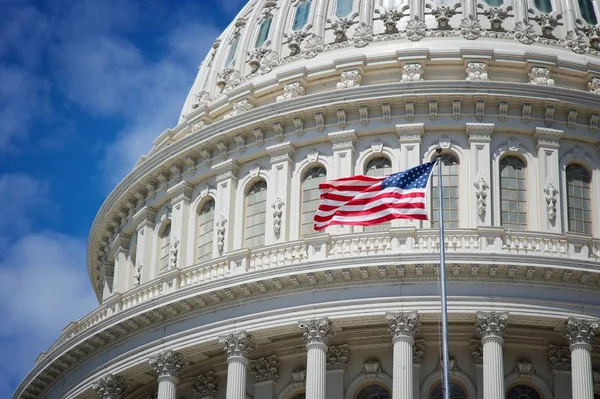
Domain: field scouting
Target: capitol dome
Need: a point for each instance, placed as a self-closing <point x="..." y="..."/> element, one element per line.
<point x="212" y="282"/>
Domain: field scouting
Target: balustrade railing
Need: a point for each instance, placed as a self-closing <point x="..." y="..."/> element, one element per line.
<point x="321" y="248"/>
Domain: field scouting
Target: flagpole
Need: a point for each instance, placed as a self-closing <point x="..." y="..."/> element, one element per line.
<point x="445" y="361"/>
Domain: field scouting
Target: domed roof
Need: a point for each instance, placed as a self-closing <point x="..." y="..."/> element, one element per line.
<point x="268" y="34"/>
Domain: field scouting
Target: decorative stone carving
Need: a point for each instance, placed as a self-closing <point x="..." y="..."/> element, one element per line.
<point x="205" y="385"/>
<point x="476" y="351"/>
<point x="418" y="351"/>
<point x="263" y="60"/>
<point x="299" y="375"/>
<point x="228" y="79"/>
<point x="403" y="324"/>
<point x="371" y="367"/>
<point x="238" y="344"/>
<point x="551" y="199"/>
<point x="265" y="369"/>
<point x="340" y="28"/>
<point x="298" y="126"/>
<point x="547" y="23"/>
<point x="476" y="71"/>
<point x="594" y="121"/>
<point x="350" y="79"/>
<point x="317" y="331"/>
<point x="456" y="109"/>
<point x="593" y="34"/>
<point x="572" y="118"/>
<point x="295" y="40"/>
<point x="524" y="368"/>
<point x="594" y="85"/>
<point x="416" y="29"/>
<point x="580" y="331"/>
<point x="202" y="98"/>
<point x="559" y="357"/>
<point x="313" y="45"/>
<point x="167" y="363"/>
<point x="240" y="140"/>
<point x="363" y="35"/>
<point x="470" y="28"/>
<point x="442" y="15"/>
<point x="277" y="207"/>
<point x="524" y="32"/>
<point x="221" y="223"/>
<point x="526" y="113"/>
<point x="173" y="253"/>
<point x="290" y="91"/>
<point x="503" y="111"/>
<point x="386" y="112"/>
<point x="363" y="114"/>
<point x="496" y="16"/>
<point x="320" y="121"/>
<point x="549" y="115"/>
<point x="481" y="189"/>
<point x="337" y="357"/>
<point x="390" y="19"/>
<point x="240" y="107"/>
<point x="491" y="324"/>
<point x="137" y="273"/>
<point x="412" y="72"/>
<point x="110" y="387"/>
<point x="576" y="42"/>
<point x="433" y="110"/>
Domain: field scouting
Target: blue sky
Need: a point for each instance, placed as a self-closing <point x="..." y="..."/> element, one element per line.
<point x="85" y="87"/>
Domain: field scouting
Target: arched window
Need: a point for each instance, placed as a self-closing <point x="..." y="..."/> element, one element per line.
<point x="587" y="11"/>
<point x="299" y="396"/>
<point x="449" y="166"/>
<point x="522" y="392"/>
<point x="206" y="222"/>
<point x="256" y="210"/>
<point x="544" y="6"/>
<point x="579" y="201"/>
<point x="230" y="62"/>
<point x="374" y="391"/>
<point x="343" y="8"/>
<point x="164" y="245"/>
<point x="301" y="16"/>
<point x="495" y="3"/>
<point x="263" y="32"/>
<point x="377" y="167"/>
<point x="456" y="391"/>
<point x="513" y="200"/>
<point x="311" y="197"/>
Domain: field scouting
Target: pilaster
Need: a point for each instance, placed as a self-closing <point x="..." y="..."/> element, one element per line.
<point x="560" y="366"/>
<point x="266" y="374"/>
<point x="410" y="138"/>
<point x="480" y="137"/>
<point x="181" y="195"/>
<point x="110" y="387"/>
<point x="548" y="143"/>
<point x="278" y="193"/>
<point x="342" y="144"/>
<point x="337" y="358"/>
<point x="226" y="179"/>
<point x="205" y="385"/>
<point x="477" y="355"/>
<point x="119" y="250"/>
<point x="144" y="220"/>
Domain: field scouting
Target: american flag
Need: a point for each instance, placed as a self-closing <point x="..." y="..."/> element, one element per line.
<point x="363" y="200"/>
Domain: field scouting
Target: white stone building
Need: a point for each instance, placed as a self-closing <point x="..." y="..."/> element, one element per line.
<point x="208" y="243"/>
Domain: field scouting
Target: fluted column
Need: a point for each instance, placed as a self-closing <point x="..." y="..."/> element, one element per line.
<point x="110" y="387"/>
<point x="580" y="336"/>
<point x="167" y="365"/>
<point x="490" y="327"/>
<point x="317" y="336"/>
<point x="404" y="326"/>
<point x="238" y="346"/>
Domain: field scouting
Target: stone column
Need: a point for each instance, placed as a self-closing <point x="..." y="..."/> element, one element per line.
<point x="409" y="136"/>
<point x="403" y="326"/>
<point x="110" y="387"/>
<point x="167" y="365"/>
<point x="337" y="358"/>
<point x="119" y="250"/>
<point x="205" y="385"/>
<point x="317" y="335"/>
<point x="265" y="372"/>
<point x="490" y="327"/>
<point x="480" y="137"/>
<point x="560" y="364"/>
<point x="238" y="346"/>
<point x="181" y="194"/>
<point x="278" y="193"/>
<point x="224" y="206"/>
<point x="580" y="336"/>
<point x="145" y="219"/>
<point x="548" y="143"/>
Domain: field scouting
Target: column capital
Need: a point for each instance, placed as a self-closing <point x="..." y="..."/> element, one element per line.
<point x="182" y="191"/>
<point x="480" y="132"/>
<point x="337" y="357"/>
<point x="317" y="331"/>
<point x="205" y="385"/>
<point x="491" y="324"/>
<point x="410" y="132"/>
<point x="476" y="351"/>
<point x="145" y="216"/>
<point x="343" y="140"/>
<point x="559" y="357"/>
<point x="265" y="369"/>
<point x="418" y="351"/>
<point x="226" y="170"/>
<point x="238" y="345"/>
<point x="110" y="387"/>
<point x="580" y="331"/>
<point x="547" y="137"/>
<point x="403" y="324"/>
<point x="167" y="363"/>
<point x="281" y="152"/>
